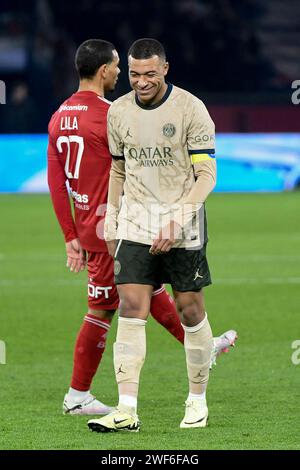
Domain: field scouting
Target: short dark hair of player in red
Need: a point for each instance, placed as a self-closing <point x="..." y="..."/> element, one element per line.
<point x="91" y="54"/>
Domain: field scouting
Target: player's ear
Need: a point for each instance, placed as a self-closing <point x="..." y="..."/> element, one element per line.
<point x="166" y="68"/>
<point x="102" y="71"/>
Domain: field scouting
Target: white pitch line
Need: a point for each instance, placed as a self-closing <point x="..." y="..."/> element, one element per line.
<point x="219" y="281"/>
<point x="255" y="258"/>
<point x="33" y="256"/>
<point x="37" y="282"/>
<point x="251" y="280"/>
<point x="212" y="256"/>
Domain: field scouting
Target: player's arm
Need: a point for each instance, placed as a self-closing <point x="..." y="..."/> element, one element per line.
<point x="205" y="172"/>
<point x="201" y="147"/>
<point x="61" y="204"/>
<point x="116" y="181"/>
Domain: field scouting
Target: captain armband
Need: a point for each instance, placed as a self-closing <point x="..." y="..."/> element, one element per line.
<point x="198" y="156"/>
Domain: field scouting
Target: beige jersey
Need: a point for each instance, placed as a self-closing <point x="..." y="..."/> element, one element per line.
<point x="160" y="144"/>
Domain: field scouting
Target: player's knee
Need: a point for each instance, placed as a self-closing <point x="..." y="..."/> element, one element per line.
<point x="130" y="307"/>
<point x="102" y="314"/>
<point x="189" y="315"/>
<point x="190" y="310"/>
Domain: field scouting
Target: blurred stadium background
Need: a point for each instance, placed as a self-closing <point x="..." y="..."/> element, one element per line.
<point x="241" y="58"/>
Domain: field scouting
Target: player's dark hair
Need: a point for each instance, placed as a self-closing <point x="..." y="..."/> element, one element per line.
<point x="145" y="48"/>
<point x="91" y="54"/>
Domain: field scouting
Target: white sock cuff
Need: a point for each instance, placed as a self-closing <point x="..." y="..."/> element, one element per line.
<point x="193" y="329"/>
<point x="132" y="321"/>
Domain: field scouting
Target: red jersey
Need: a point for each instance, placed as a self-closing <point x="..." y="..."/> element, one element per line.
<point x="78" y="152"/>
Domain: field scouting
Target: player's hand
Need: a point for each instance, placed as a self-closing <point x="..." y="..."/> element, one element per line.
<point x="166" y="238"/>
<point x="112" y="246"/>
<point x="76" y="257"/>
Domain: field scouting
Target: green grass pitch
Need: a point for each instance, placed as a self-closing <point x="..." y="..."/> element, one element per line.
<point x="254" y="392"/>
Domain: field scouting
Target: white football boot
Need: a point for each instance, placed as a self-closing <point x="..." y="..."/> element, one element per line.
<point x="116" y="421"/>
<point x="222" y="344"/>
<point x="196" y="414"/>
<point x="88" y="406"/>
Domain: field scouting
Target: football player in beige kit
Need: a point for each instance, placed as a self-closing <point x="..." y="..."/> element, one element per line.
<point x="162" y="140"/>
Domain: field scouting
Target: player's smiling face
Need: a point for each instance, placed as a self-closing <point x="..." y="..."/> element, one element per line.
<point x="147" y="78"/>
<point x="112" y="72"/>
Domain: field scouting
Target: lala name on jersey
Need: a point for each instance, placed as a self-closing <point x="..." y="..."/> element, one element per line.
<point x="68" y="123"/>
<point x="152" y="156"/>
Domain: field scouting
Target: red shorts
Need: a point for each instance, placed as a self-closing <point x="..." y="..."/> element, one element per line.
<point x="102" y="292"/>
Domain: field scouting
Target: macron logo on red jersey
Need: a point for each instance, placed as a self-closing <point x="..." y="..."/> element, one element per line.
<point x="77" y="107"/>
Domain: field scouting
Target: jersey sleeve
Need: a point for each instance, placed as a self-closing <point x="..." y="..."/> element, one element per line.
<point x="116" y="145"/>
<point x="59" y="193"/>
<point x="200" y="133"/>
<point x="52" y="150"/>
<point x="201" y="148"/>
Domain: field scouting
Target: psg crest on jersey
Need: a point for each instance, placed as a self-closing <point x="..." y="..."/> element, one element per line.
<point x="169" y="130"/>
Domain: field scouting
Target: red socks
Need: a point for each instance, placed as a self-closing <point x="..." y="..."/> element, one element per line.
<point x="88" y="351"/>
<point x="164" y="311"/>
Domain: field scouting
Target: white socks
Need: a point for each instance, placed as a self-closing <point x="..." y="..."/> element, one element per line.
<point x="128" y="401"/>
<point x="77" y="395"/>
<point x="195" y="397"/>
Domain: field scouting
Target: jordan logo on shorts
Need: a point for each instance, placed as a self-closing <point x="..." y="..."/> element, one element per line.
<point x="198" y="275"/>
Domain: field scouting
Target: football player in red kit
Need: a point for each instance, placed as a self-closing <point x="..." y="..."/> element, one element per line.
<point x="78" y="156"/>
